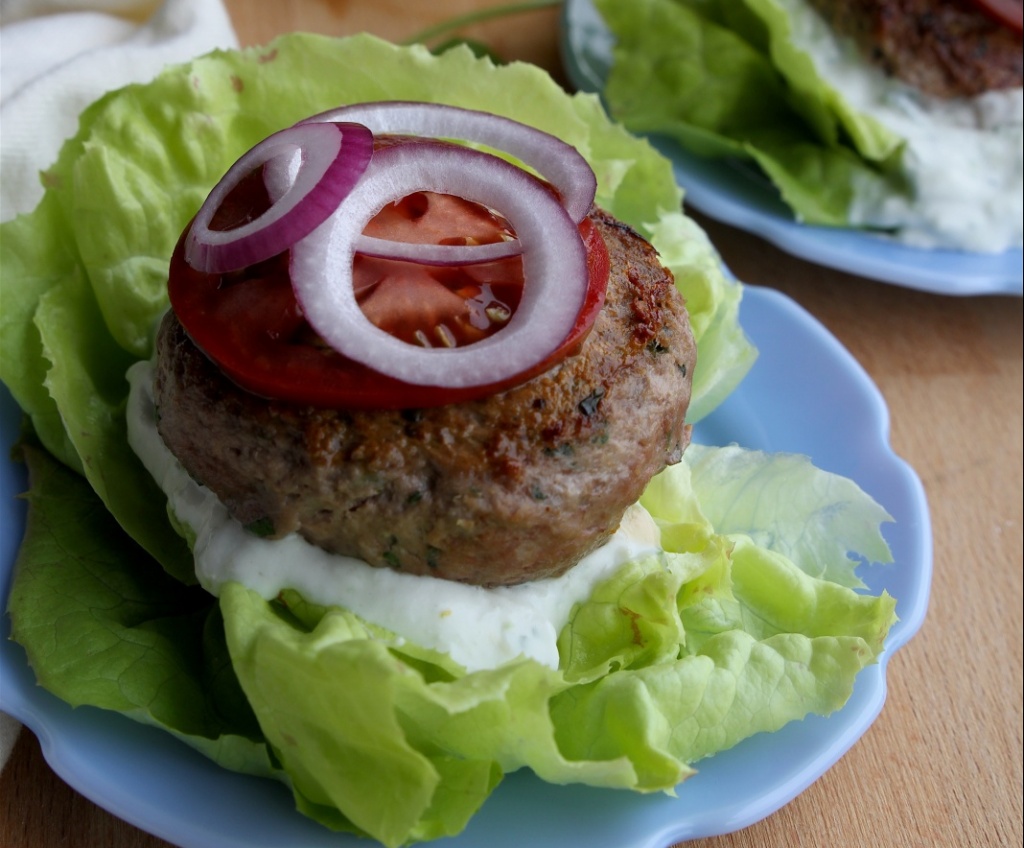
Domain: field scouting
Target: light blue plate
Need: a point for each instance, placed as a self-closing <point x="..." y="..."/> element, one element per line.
<point x="805" y="394"/>
<point x="740" y="196"/>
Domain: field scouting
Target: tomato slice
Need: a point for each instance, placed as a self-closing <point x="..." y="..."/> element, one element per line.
<point x="438" y="306"/>
<point x="250" y="325"/>
<point x="1010" y="13"/>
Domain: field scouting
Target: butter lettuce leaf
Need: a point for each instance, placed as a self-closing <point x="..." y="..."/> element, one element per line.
<point x="725" y="79"/>
<point x="785" y="504"/>
<point x="104" y="625"/>
<point x="35" y="259"/>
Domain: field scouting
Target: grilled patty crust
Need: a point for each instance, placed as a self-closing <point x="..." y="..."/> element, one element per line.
<point x="510" y="488"/>
<point x="946" y="49"/>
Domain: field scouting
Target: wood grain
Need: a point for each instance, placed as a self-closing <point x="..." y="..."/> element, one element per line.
<point x="942" y="764"/>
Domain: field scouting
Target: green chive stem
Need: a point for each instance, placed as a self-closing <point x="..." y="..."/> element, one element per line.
<point x="452" y="24"/>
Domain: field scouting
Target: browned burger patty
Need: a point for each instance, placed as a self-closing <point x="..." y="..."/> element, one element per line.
<point x="947" y="49"/>
<point x="510" y="488"/>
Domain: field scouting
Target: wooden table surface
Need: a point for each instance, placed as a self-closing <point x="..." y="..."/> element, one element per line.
<point x="942" y="764"/>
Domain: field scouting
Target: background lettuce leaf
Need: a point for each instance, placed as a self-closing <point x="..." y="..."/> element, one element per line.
<point x="724" y="78"/>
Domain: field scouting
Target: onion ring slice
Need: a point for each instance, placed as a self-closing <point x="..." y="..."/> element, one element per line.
<point x="554" y="267"/>
<point x="437" y="254"/>
<point x="332" y="158"/>
<point x="558" y="162"/>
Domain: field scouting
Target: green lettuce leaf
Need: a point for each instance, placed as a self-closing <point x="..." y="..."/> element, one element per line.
<point x="34" y="259"/>
<point x="103" y="624"/>
<point x="724" y="78"/>
<point x="785" y="504"/>
<point x="713" y="305"/>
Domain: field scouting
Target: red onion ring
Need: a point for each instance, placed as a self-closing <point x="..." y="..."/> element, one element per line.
<point x="554" y="267"/>
<point x="559" y="163"/>
<point x="331" y="159"/>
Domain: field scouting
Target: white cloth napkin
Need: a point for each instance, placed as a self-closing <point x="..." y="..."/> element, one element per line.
<point x="56" y="57"/>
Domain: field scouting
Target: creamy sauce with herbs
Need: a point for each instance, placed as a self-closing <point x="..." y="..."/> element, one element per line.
<point x="478" y="627"/>
<point x="963" y="157"/>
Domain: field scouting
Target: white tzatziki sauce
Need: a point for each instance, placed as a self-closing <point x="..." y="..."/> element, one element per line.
<point x="477" y="627"/>
<point x="963" y="157"/>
